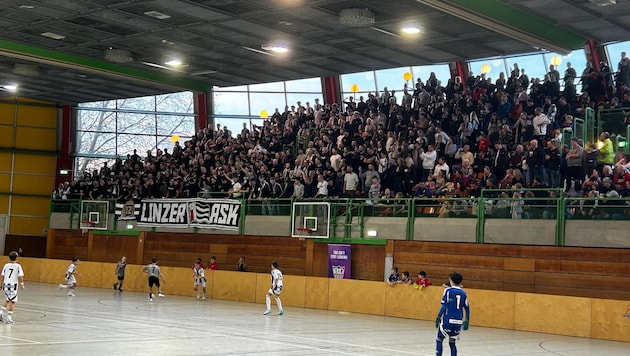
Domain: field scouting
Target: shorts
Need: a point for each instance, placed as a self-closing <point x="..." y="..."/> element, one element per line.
<point x="275" y="292"/>
<point x="70" y="281"/>
<point x="121" y="278"/>
<point x="449" y="330"/>
<point x="154" y="281"/>
<point x="11" y="294"/>
<point x="200" y="282"/>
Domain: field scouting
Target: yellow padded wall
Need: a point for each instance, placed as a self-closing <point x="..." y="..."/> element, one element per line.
<point x="4" y="204"/>
<point x="35" y="206"/>
<point x="5" y="182"/>
<point x="293" y="291"/>
<point x="25" y="163"/>
<point x="422" y="304"/>
<point x="7" y="114"/>
<point x="89" y="274"/>
<point x="316" y="295"/>
<point x="365" y="297"/>
<point x="6" y="136"/>
<point x="491" y="308"/>
<point x="36" y="139"/>
<point x="31" y="266"/>
<point x="30" y="184"/>
<point x="610" y="320"/>
<point x="27" y="225"/>
<point x="53" y="271"/>
<point x="229" y="285"/>
<point x="5" y="161"/>
<point x="552" y="314"/>
<point x="179" y="281"/>
<point x="37" y="116"/>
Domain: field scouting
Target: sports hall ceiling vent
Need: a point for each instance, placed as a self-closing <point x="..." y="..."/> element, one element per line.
<point x="603" y="2"/>
<point x="27" y="70"/>
<point x="357" y="17"/>
<point x="118" y="55"/>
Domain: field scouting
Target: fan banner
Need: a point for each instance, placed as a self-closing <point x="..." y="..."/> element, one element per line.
<point x="222" y="214"/>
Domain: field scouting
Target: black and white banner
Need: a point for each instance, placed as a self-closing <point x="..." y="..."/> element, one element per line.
<point x="127" y="211"/>
<point x="223" y="214"/>
<point x="164" y="212"/>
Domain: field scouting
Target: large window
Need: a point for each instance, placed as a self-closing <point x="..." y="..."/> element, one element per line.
<point x="235" y="106"/>
<point x="107" y="129"/>
<point x="393" y="79"/>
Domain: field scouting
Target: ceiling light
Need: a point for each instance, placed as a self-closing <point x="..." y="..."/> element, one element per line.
<point x="157" y="15"/>
<point x="26" y="6"/>
<point x="603" y="2"/>
<point x="277" y="48"/>
<point x="257" y="51"/>
<point x="10" y="87"/>
<point x="54" y="36"/>
<point x="118" y="55"/>
<point x="173" y="62"/>
<point x="411" y="30"/>
<point x="168" y="42"/>
<point x="357" y="17"/>
<point x="385" y="32"/>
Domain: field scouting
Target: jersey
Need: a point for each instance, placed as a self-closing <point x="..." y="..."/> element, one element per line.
<point x="12" y="272"/>
<point x="70" y="273"/>
<point x="200" y="275"/>
<point x="120" y="269"/>
<point x="153" y="270"/>
<point x="276" y="275"/>
<point x="454" y="302"/>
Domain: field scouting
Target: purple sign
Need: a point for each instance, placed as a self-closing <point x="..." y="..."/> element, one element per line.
<point x="339" y="261"/>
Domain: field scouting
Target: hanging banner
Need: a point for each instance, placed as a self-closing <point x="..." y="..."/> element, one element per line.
<point x="339" y="261"/>
<point x="127" y="211"/>
<point x="164" y="212"/>
<point x="222" y="214"/>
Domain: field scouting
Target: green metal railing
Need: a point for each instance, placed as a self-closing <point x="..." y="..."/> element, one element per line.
<point x="348" y="216"/>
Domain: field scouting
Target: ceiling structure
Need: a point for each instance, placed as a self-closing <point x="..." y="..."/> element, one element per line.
<point x="219" y="42"/>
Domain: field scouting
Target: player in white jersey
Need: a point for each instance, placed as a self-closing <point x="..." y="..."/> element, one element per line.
<point x="200" y="279"/>
<point x="12" y="274"/>
<point x="154" y="278"/>
<point x="70" y="277"/>
<point x="275" y="290"/>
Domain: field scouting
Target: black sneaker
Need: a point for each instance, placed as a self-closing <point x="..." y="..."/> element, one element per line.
<point x="115" y="286"/>
<point x="120" y="290"/>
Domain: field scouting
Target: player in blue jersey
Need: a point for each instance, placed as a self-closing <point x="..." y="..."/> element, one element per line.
<point x="450" y="319"/>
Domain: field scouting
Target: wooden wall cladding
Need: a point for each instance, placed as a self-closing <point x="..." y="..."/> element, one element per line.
<point x="109" y="248"/>
<point x="67" y="244"/>
<point x="33" y="246"/>
<point x="181" y="250"/>
<point x="368" y="261"/>
<point x="584" y="272"/>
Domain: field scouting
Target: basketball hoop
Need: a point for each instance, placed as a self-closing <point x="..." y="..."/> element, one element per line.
<point x="304" y="230"/>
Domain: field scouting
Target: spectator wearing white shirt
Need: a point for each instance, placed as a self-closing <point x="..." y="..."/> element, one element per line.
<point x="540" y="123"/>
<point x="441" y="166"/>
<point x="322" y="187"/>
<point x="428" y="162"/>
<point x="350" y="183"/>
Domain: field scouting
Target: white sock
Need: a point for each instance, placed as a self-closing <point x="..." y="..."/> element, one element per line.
<point x="279" y="302"/>
<point x="268" y="300"/>
<point x="10" y="316"/>
<point x="2" y="310"/>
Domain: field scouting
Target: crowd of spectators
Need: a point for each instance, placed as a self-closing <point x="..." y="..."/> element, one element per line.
<point x="432" y="139"/>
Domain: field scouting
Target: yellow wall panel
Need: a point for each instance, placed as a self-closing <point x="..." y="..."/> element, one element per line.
<point x="7" y="113"/>
<point x="5" y="182"/>
<point x="491" y="308"/>
<point x="236" y="286"/>
<point x="316" y="296"/>
<point x="6" y="136"/>
<point x="32" y="268"/>
<point x="88" y="274"/>
<point x="5" y="161"/>
<point x="135" y="279"/>
<point x="53" y="271"/>
<point x="37" y="116"/>
<point x="27" y="226"/>
<point x="357" y="296"/>
<point x="610" y="320"/>
<point x="552" y="314"/>
<point x="35" y="206"/>
<point x="4" y="204"/>
<point x="36" y="139"/>
<point x="422" y="304"/>
<point x="34" y="164"/>
<point x="179" y="281"/>
<point x="30" y="184"/>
